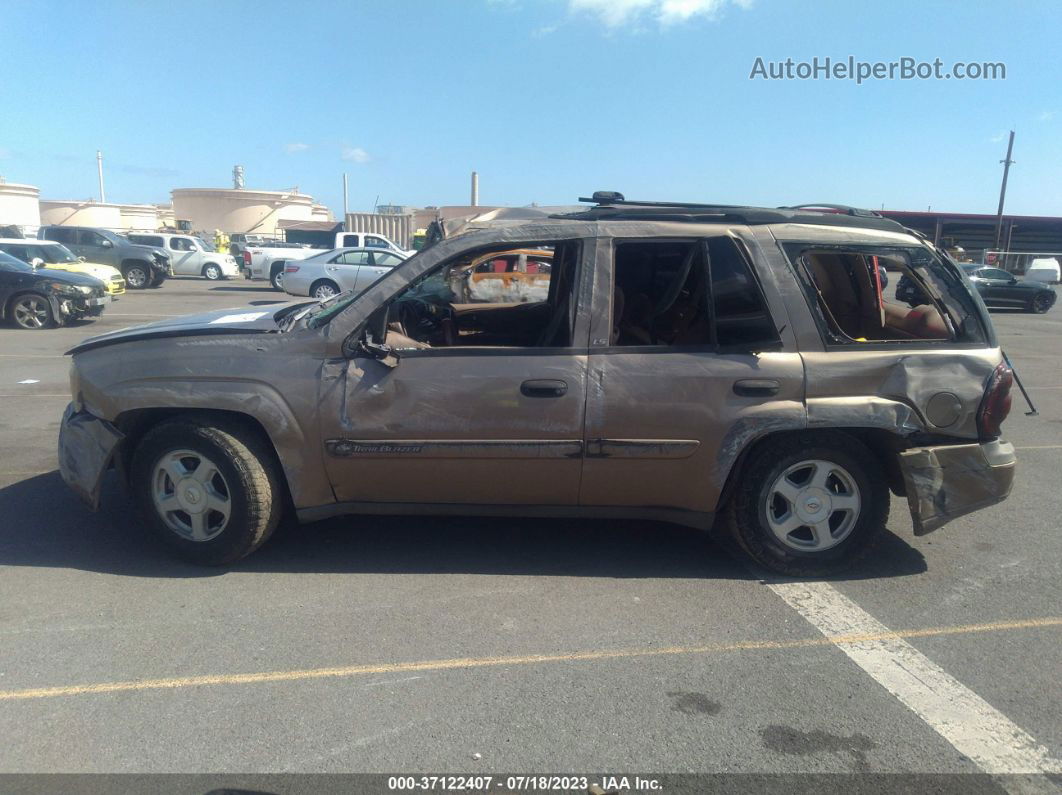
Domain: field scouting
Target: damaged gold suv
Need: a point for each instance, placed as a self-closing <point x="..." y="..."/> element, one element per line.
<point x="733" y="368"/>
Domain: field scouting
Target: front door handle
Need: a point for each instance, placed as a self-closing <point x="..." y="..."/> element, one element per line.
<point x="543" y="388"/>
<point x="756" y="387"/>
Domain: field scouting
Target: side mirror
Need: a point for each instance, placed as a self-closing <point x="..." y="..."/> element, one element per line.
<point x="384" y="354"/>
<point x="80" y="259"/>
<point x="107" y="244"/>
<point x="1012" y="280"/>
<point x="37" y="262"/>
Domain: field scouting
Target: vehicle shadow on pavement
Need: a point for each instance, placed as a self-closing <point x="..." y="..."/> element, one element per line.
<point x="45" y="524"/>
<point x="226" y="289"/>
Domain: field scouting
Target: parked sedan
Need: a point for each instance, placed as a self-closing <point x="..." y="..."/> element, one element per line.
<point x="56" y="256"/>
<point x="36" y="298"/>
<point x="1000" y="288"/>
<point x="332" y="272"/>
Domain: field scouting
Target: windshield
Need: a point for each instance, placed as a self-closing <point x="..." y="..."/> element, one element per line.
<point x="203" y="245"/>
<point x="57" y="252"/>
<point x="9" y="263"/>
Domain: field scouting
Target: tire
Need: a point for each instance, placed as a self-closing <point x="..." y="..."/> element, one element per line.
<point x="323" y="289"/>
<point x="211" y="272"/>
<point x="276" y="276"/>
<point x="220" y="465"/>
<point x="850" y="508"/>
<point x="1041" y="302"/>
<point x="159" y="278"/>
<point x="137" y="276"/>
<point x="31" y="311"/>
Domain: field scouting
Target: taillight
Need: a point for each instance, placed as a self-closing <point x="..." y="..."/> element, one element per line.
<point x="995" y="405"/>
<point x="247" y="258"/>
<point x="290" y="268"/>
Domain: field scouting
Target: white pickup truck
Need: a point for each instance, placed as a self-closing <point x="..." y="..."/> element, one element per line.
<point x="263" y="262"/>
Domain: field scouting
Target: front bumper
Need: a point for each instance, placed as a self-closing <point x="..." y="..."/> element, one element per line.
<point x="86" y="447"/>
<point x="948" y="481"/>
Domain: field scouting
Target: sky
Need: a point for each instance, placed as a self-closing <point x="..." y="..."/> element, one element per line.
<point x="548" y="100"/>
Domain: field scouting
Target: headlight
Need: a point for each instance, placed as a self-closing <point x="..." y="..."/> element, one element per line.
<point x="86" y="290"/>
<point x="63" y="287"/>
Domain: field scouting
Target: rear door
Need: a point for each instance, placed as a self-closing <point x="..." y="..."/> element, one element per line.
<point x="685" y="368"/>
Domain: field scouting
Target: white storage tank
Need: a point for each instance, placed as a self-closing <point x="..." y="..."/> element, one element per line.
<point x="20" y="206"/>
<point x="240" y="211"/>
<point x="81" y="213"/>
<point x="320" y="212"/>
<point x="140" y="217"/>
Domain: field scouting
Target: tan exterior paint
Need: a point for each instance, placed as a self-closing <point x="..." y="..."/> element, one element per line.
<point x="81" y="213"/>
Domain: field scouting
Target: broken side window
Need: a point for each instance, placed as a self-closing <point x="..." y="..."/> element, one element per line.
<point x="866" y="294"/>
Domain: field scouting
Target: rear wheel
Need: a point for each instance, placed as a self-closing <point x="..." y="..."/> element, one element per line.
<point x="276" y="276"/>
<point x="1041" y="302"/>
<point x="32" y="312"/>
<point x="212" y="272"/>
<point x="210" y="489"/>
<point x="324" y="289"/>
<point x="809" y="504"/>
<point x="137" y="276"/>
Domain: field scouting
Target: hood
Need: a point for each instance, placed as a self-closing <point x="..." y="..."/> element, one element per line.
<point x="69" y="277"/>
<point x="241" y="320"/>
<point x="148" y="249"/>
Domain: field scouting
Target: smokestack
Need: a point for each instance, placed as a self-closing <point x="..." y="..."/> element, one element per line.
<point x="237" y="177"/>
<point x="346" y="209"/>
<point x="99" y="171"/>
<point x="475" y="189"/>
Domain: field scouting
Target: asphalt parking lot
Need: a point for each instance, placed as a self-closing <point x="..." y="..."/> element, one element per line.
<point x="460" y="645"/>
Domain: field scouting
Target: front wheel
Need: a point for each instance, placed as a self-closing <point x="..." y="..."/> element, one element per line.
<point x="209" y="489"/>
<point x="32" y="312"/>
<point x="211" y="272"/>
<point x="137" y="276"/>
<point x="808" y="504"/>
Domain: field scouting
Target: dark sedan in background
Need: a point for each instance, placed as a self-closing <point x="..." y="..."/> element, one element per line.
<point x="36" y="298"/>
<point x="997" y="288"/>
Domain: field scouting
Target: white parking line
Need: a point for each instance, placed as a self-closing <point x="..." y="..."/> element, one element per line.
<point x="975" y="728"/>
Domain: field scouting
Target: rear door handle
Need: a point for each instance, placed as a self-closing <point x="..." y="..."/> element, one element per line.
<point x="543" y="388"/>
<point x="756" y="387"/>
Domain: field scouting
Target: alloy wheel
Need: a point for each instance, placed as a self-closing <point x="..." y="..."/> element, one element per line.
<point x="191" y="495"/>
<point x="32" y="312"/>
<point x="813" y="505"/>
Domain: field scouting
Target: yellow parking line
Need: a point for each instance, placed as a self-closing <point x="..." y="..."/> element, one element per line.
<point x="485" y="662"/>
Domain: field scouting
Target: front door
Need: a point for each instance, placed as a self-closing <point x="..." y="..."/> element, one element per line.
<point x="680" y="374"/>
<point x="184" y="257"/>
<point x="479" y="410"/>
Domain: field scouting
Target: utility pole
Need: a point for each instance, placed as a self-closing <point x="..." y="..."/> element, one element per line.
<point x="475" y="189"/>
<point x="99" y="170"/>
<point x="345" y="205"/>
<point x="1007" y="163"/>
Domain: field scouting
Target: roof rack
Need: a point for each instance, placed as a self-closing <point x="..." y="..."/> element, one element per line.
<point x="612" y="205"/>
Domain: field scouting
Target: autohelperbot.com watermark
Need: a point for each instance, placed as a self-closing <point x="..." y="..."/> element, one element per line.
<point x="851" y="68"/>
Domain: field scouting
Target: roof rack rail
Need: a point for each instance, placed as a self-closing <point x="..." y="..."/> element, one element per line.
<point x="834" y="208"/>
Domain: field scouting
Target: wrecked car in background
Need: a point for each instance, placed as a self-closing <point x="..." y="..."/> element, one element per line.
<point x="729" y="368"/>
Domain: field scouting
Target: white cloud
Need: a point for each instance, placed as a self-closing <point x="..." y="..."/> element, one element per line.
<point x="617" y="13"/>
<point x="355" y="154"/>
<point x="293" y="148"/>
<point x="1046" y="115"/>
<point x="545" y="30"/>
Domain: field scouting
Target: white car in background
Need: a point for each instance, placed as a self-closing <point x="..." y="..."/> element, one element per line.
<point x="190" y="256"/>
<point x="330" y="272"/>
